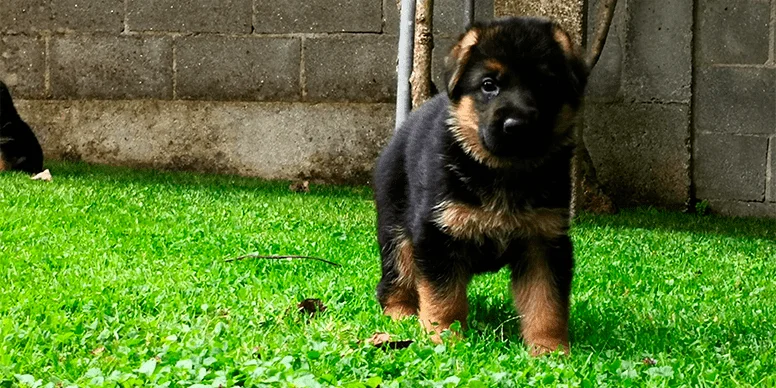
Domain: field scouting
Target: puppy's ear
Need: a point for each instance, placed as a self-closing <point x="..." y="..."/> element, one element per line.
<point x="458" y="58"/>
<point x="574" y="57"/>
<point x="7" y="110"/>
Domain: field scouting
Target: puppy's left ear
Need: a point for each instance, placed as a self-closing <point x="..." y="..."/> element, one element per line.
<point x="458" y="59"/>
<point x="574" y="57"/>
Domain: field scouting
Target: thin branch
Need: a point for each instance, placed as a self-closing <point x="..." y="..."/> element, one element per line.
<point x="282" y="257"/>
<point x="603" y="19"/>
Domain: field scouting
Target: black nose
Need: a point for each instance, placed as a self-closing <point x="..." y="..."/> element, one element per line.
<point x="520" y="120"/>
<point x="514" y="125"/>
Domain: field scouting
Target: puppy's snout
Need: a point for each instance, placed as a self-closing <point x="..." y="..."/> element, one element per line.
<point x="520" y="121"/>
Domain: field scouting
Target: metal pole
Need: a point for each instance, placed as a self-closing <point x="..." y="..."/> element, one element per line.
<point x="468" y="13"/>
<point x="406" y="45"/>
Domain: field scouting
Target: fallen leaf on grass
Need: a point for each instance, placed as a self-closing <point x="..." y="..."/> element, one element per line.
<point x="383" y="341"/>
<point x="300" y="187"/>
<point x="98" y="351"/>
<point x="311" y="306"/>
<point x="43" y="176"/>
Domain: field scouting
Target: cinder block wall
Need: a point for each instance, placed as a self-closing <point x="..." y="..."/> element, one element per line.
<point x="681" y="106"/>
<point x="277" y="89"/>
<point x="735" y="106"/>
<point x="638" y="109"/>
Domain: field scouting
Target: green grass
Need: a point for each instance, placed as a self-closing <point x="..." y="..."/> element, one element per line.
<point x="112" y="277"/>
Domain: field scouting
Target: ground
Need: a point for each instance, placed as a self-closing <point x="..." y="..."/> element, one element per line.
<point x="113" y="277"/>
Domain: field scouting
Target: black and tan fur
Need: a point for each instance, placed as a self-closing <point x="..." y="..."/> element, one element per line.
<point x="19" y="148"/>
<point x="478" y="179"/>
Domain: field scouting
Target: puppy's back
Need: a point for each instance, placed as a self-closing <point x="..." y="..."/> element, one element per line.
<point x="19" y="148"/>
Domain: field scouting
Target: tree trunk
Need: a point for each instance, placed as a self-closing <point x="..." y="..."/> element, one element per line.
<point x="424" y="45"/>
<point x="587" y="192"/>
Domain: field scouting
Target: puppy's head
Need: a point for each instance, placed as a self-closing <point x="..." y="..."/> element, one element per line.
<point x="515" y="85"/>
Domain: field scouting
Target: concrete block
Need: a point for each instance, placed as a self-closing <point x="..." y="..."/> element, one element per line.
<point x="92" y="15"/>
<point x="225" y="16"/>
<point x="743" y="209"/>
<point x="658" y="54"/>
<point x="390" y="17"/>
<point x="22" y="16"/>
<point x="306" y="16"/>
<point x="733" y="32"/>
<point x="641" y="151"/>
<point x="23" y="65"/>
<point x="569" y="13"/>
<point x="736" y="100"/>
<point x="214" y="67"/>
<point x="442" y="47"/>
<point x="730" y="167"/>
<point x="448" y="16"/>
<point x="110" y="67"/>
<point x="605" y="81"/>
<point x="351" y="68"/>
<point x="335" y="143"/>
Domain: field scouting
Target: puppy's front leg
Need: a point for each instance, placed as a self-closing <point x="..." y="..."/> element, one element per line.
<point x="541" y="284"/>
<point x="442" y="303"/>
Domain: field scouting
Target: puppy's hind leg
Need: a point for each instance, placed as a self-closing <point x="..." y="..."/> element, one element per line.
<point x="397" y="290"/>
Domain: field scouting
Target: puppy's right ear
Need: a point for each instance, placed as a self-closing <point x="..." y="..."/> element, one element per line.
<point x="458" y="59"/>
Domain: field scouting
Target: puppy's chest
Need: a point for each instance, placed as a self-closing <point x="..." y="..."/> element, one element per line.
<point x="498" y="222"/>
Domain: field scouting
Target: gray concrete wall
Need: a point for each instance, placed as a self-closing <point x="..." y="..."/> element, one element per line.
<point x="638" y="109"/>
<point x="276" y="89"/>
<point x="735" y="106"/>
<point x="681" y="106"/>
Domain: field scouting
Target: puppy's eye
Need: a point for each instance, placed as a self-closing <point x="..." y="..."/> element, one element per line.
<point x="489" y="86"/>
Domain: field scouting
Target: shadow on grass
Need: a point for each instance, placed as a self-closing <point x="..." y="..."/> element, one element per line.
<point x="195" y="180"/>
<point x="588" y="333"/>
<point x="499" y="318"/>
<point x="653" y="219"/>
<point x="593" y="331"/>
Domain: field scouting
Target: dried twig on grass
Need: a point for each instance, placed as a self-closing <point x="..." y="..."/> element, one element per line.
<point x="281" y="257"/>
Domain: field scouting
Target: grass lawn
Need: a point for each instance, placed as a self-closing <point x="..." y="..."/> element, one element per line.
<point x="112" y="277"/>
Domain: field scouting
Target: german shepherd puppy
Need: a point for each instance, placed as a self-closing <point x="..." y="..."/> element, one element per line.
<point x="19" y="148"/>
<point x="478" y="179"/>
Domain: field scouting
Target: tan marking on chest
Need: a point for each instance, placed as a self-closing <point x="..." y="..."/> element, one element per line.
<point x="2" y="162"/>
<point x="467" y="222"/>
